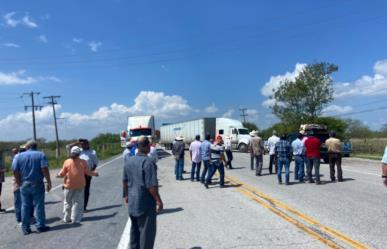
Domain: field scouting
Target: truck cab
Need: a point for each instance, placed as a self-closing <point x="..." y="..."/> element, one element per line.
<point x="234" y="129"/>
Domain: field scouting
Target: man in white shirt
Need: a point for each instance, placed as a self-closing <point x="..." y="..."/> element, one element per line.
<point x="196" y="158"/>
<point x="271" y="143"/>
<point x="298" y="153"/>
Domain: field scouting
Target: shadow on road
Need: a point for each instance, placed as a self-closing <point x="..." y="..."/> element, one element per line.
<point x="64" y="226"/>
<point x="52" y="202"/>
<point x="163" y="154"/>
<point x="196" y="247"/>
<point x="100" y="217"/>
<point x="171" y="210"/>
<point x="52" y="220"/>
<point x="105" y="208"/>
<point x="237" y="168"/>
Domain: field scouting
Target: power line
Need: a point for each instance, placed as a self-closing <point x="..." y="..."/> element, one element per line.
<point x="33" y="107"/>
<point x="53" y="102"/>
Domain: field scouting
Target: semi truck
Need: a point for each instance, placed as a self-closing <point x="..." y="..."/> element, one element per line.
<point x="138" y="126"/>
<point x="232" y="128"/>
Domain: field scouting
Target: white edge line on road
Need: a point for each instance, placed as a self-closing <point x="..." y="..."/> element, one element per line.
<point x="60" y="185"/>
<point x="364" y="173"/>
<point x="125" y="237"/>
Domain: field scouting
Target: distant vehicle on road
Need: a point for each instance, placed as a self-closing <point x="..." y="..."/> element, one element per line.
<point x="138" y="126"/>
<point x="321" y="132"/>
<point x="238" y="134"/>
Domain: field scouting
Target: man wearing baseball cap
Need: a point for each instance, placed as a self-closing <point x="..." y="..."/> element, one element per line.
<point x="74" y="170"/>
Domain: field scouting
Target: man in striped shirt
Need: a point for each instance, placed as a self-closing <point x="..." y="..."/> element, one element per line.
<point x="217" y="160"/>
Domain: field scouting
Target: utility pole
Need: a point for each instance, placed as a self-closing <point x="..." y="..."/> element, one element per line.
<point x="53" y="102"/>
<point x="34" y="108"/>
<point x="244" y="114"/>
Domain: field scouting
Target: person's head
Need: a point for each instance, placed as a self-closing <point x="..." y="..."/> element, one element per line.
<point x="31" y="145"/>
<point x="332" y="134"/>
<point x="300" y="136"/>
<point x="84" y="143"/>
<point x="128" y="145"/>
<point x="14" y="151"/>
<point x="208" y="137"/>
<point x="274" y="133"/>
<point x="283" y="136"/>
<point x="75" y="152"/>
<point x="143" y="145"/>
<point x="197" y="137"/>
<point x="219" y="139"/>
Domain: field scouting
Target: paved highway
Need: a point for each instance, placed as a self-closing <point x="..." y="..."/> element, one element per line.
<point x="253" y="212"/>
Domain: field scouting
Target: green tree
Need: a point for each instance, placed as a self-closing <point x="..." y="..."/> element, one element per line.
<point x="250" y="126"/>
<point x="334" y="124"/>
<point x="302" y="100"/>
<point x="357" y="129"/>
<point x="383" y="130"/>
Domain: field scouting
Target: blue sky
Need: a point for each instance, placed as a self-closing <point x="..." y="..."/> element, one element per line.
<point x="182" y="59"/>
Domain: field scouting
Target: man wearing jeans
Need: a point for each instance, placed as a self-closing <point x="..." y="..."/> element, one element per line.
<point x="205" y="154"/>
<point x="178" y="153"/>
<point x="195" y="153"/>
<point x="298" y="153"/>
<point x="29" y="170"/>
<point x="312" y="146"/>
<point x="217" y="160"/>
<point x="283" y="152"/>
<point x="271" y="144"/>
<point x="142" y="196"/>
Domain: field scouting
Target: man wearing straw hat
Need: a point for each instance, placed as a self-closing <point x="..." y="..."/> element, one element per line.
<point x="178" y="153"/>
<point x="256" y="152"/>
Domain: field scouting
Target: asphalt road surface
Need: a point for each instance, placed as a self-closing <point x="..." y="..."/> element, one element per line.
<point x="252" y="212"/>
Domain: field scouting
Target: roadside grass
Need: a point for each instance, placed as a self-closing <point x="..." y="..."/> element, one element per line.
<point x="103" y="151"/>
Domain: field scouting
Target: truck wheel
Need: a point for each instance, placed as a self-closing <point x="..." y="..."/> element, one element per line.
<point x="242" y="148"/>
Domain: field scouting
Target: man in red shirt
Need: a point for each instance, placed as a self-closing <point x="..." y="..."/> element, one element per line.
<point x="312" y="146"/>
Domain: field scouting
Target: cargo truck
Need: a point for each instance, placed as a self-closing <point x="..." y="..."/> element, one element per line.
<point x="238" y="134"/>
<point x="138" y="126"/>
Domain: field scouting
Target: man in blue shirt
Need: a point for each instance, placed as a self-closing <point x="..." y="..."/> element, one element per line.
<point x="205" y="153"/>
<point x="283" y="152"/>
<point x="29" y="169"/>
<point x="298" y="153"/>
<point x="142" y="195"/>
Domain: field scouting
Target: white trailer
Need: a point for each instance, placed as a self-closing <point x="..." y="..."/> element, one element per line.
<point x="213" y="126"/>
<point x="138" y="126"/>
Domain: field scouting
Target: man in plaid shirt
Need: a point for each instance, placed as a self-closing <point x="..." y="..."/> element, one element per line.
<point x="283" y="151"/>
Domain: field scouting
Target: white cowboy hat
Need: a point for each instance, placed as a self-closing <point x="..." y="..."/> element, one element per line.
<point x="253" y="133"/>
<point x="179" y="138"/>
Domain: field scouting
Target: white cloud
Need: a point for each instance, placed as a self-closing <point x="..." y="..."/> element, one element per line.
<point x="211" y="109"/>
<point x="366" y="85"/>
<point x="229" y="113"/>
<point x="20" y="78"/>
<point x="77" y="40"/>
<point x="42" y="38"/>
<point x="10" y="45"/>
<point x="336" y="109"/>
<point x="269" y="103"/>
<point x="94" y="45"/>
<point x="275" y="81"/>
<point x="106" y="119"/>
<point x="10" y="21"/>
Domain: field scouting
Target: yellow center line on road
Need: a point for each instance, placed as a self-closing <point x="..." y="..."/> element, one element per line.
<point x="274" y="205"/>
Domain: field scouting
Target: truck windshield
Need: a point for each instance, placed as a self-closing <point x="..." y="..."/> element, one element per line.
<point x="140" y="132"/>
<point x="243" y="131"/>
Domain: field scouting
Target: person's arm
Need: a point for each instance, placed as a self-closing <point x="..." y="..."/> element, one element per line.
<point x="90" y="172"/>
<point x="384" y="173"/>
<point x="46" y="174"/>
<point x="17" y="176"/>
<point x="63" y="171"/>
<point x="125" y="184"/>
<point x="151" y="184"/>
<point x="95" y="160"/>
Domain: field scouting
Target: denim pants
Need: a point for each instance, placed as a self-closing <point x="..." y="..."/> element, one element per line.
<point x="273" y="161"/>
<point x="32" y="194"/>
<point x="313" y="162"/>
<point x="18" y="204"/>
<point x="195" y="169"/>
<point x="283" y="162"/>
<point x="258" y="163"/>
<point x="216" y="165"/>
<point x="299" y="168"/>
<point x="179" y="168"/>
<point x="206" y="165"/>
